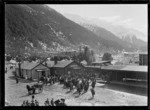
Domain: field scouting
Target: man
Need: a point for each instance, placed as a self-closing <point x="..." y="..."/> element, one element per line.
<point x="52" y="102"/>
<point x="32" y="101"/>
<point x="36" y="103"/>
<point x="93" y="83"/>
<point x="17" y="81"/>
<point x="62" y="103"/>
<point x="47" y="103"/>
<point x="93" y="92"/>
<point x="27" y="103"/>
<point x="24" y="103"/>
<point x="6" y="70"/>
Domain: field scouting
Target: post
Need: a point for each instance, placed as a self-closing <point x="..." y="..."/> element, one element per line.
<point x="38" y="77"/>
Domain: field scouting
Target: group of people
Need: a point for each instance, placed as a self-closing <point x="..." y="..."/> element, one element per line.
<point x="80" y="82"/>
<point x="59" y="102"/>
<point x="49" y="80"/>
<point x="34" y="102"/>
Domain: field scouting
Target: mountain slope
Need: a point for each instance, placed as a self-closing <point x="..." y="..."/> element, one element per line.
<point x="131" y="36"/>
<point x="30" y="28"/>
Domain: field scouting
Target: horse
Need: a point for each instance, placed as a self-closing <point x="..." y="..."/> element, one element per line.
<point x="30" y="89"/>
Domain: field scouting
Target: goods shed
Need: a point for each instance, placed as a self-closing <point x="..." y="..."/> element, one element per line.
<point x="126" y="75"/>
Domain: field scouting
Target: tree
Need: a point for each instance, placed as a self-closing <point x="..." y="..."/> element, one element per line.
<point x="89" y="55"/>
<point x="107" y="56"/>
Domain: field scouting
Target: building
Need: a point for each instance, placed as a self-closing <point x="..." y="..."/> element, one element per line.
<point x="33" y="71"/>
<point x="67" y="67"/>
<point x="126" y="75"/>
<point x="101" y="63"/>
<point x="143" y="59"/>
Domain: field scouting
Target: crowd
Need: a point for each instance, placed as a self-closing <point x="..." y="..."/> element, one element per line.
<point x="34" y="102"/>
<point x="80" y="82"/>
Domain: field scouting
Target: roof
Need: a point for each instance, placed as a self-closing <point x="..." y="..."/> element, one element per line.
<point x="136" y="68"/>
<point x="101" y="62"/>
<point x="113" y="67"/>
<point x="92" y="66"/>
<point x="63" y="63"/>
<point x="126" y="68"/>
<point x="31" y="66"/>
<point x="23" y="64"/>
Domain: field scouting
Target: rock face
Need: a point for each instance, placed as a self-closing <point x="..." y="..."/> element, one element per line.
<point x="30" y="28"/>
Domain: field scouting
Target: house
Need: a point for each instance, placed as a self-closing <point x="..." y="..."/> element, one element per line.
<point x="143" y="59"/>
<point x="67" y="67"/>
<point x="33" y="71"/>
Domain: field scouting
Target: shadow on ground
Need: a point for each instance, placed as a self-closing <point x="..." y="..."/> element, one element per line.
<point x="127" y="89"/>
<point x="20" y="80"/>
<point x="29" y="95"/>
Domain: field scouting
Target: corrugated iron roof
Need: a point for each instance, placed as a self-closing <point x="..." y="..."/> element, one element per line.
<point x="63" y="63"/>
<point x="113" y="67"/>
<point x="136" y="68"/>
<point x="92" y="66"/>
<point x="126" y="68"/>
<point x="100" y="62"/>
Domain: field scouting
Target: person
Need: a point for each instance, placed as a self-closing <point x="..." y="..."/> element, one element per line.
<point x="6" y="70"/>
<point x="47" y="103"/>
<point x="34" y="89"/>
<point x="17" y="81"/>
<point x="52" y="102"/>
<point x="92" y="92"/>
<point x="48" y="79"/>
<point x="27" y="103"/>
<point x="62" y="102"/>
<point x="93" y="83"/>
<point x="57" y="102"/>
<point x="32" y="101"/>
<point x="36" y="103"/>
<point x="24" y="103"/>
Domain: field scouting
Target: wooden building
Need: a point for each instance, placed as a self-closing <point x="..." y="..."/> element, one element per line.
<point x="143" y="59"/>
<point x="33" y="71"/>
<point x="126" y="75"/>
<point x="67" y="67"/>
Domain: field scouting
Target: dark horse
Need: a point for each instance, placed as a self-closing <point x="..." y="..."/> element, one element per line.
<point x="31" y="90"/>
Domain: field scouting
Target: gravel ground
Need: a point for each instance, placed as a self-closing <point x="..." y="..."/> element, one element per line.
<point x="15" y="94"/>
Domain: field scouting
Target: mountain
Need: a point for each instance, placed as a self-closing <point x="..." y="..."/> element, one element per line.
<point x="38" y="28"/>
<point x="132" y="36"/>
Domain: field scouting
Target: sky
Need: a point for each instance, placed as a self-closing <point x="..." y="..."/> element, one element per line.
<point x="129" y="15"/>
